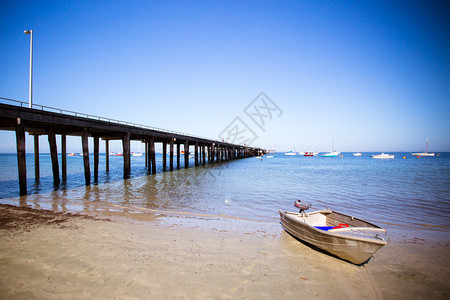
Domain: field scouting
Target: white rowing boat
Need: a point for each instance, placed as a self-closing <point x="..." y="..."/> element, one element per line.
<point x="344" y="236"/>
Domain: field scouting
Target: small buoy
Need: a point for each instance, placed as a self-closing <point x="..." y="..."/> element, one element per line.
<point x="418" y="156"/>
<point x="404" y="157"/>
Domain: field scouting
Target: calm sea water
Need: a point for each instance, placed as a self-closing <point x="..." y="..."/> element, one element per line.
<point x="406" y="194"/>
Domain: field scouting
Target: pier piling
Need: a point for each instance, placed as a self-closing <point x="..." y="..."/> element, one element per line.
<point x="186" y="154"/>
<point x="54" y="156"/>
<point x="152" y="155"/>
<point x="63" y="158"/>
<point x="21" y="158"/>
<point x="178" y="155"/>
<point x="85" y="146"/>
<point x="96" y="157"/>
<point x="36" y="157"/>
<point x="107" y="154"/>
<point x="196" y="153"/>
<point x="164" y="153"/>
<point x="126" y="155"/>
<point x="171" y="155"/>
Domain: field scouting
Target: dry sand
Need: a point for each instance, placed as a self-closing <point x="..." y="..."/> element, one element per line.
<point x="50" y="255"/>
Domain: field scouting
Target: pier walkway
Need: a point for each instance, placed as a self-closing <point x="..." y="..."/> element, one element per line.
<point x="43" y="120"/>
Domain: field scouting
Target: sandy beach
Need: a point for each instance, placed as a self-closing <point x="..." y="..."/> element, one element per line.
<point x="49" y="255"/>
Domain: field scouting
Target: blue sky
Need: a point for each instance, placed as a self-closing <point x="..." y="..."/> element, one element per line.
<point x="372" y="75"/>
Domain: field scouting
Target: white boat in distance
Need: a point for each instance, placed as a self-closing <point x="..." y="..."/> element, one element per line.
<point x="291" y="152"/>
<point x="136" y="154"/>
<point x="349" y="238"/>
<point x="424" y="153"/>
<point x="357" y="154"/>
<point x="333" y="152"/>
<point x="383" y="156"/>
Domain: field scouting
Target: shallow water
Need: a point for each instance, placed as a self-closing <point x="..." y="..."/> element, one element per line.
<point x="402" y="194"/>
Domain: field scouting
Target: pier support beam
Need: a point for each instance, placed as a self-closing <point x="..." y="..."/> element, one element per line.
<point x="63" y="158"/>
<point x="171" y="155"/>
<point x="146" y="155"/>
<point x="203" y="154"/>
<point x="21" y="158"/>
<point x="186" y="154"/>
<point x="164" y="153"/>
<point x="36" y="158"/>
<point x="178" y="155"/>
<point x="196" y="154"/>
<point x="96" y="157"/>
<point x="87" y="168"/>
<point x="152" y="154"/>
<point x="209" y="153"/>
<point x="126" y="155"/>
<point x="107" y="154"/>
<point x="54" y="156"/>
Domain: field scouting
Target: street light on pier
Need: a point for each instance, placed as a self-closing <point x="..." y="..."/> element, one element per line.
<point x="30" y="95"/>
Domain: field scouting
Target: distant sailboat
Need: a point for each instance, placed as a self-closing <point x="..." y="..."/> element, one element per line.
<point x="357" y="154"/>
<point x="424" y="153"/>
<point x="333" y="152"/>
<point x="292" y="152"/>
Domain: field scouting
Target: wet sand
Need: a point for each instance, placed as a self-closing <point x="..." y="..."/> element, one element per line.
<point x="51" y="255"/>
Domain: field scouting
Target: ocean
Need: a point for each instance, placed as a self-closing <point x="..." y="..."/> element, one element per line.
<point x="402" y="194"/>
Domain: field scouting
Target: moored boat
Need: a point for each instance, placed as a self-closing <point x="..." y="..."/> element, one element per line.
<point x="383" y="156"/>
<point x="291" y="152"/>
<point x="424" y="153"/>
<point x="357" y="154"/>
<point x="331" y="154"/>
<point x="309" y="153"/>
<point x="344" y="236"/>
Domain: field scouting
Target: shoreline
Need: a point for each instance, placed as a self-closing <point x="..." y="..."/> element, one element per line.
<point x="45" y="254"/>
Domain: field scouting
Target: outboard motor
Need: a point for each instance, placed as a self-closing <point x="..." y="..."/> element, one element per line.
<point x="301" y="205"/>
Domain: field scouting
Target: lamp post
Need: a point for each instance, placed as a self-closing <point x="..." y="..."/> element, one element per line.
<point x="30" y="96"/>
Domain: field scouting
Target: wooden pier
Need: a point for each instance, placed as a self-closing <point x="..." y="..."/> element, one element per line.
<point x="41" y="120"/>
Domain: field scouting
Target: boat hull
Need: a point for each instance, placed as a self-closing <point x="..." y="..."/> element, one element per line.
<point x="356" y="250"/>
<point x="330" y="155"/>
<point x="383" y="156"/>
<point x="423" y="154"/>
